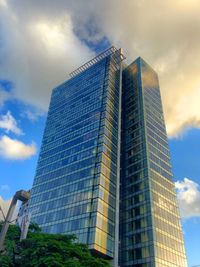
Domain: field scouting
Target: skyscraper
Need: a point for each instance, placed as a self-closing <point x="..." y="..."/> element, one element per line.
<point x="150" y="227"/>
<point x="104" y="169"/>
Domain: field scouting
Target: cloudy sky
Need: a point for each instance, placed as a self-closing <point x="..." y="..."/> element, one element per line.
<point x="42" y="41"/>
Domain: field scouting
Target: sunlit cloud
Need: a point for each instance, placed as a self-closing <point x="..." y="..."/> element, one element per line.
<point x="188" y="197"/>
<point x="185" y="113"/>
<point x="15" y="149"/>
<point x="9" y="124"/>
<point x="38" y="52"/>
<point x="3" y="3"/>
<point x="40" y="45"/>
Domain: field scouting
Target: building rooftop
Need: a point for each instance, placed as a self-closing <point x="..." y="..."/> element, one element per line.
<point x="96" y="59"/>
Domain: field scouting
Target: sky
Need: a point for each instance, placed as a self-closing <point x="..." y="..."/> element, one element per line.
<point x="41" y="42"/>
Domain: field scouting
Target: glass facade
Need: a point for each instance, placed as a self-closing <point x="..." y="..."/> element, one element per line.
<point x="104" y="170"/>
<point x="150" y="230"/>
<point x="74" y="189"/>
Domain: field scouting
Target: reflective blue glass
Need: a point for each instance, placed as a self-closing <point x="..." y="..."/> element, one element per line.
<point x="104" y="171"/>
<point x="150" y="231"/>
<point x="74" y="189"/>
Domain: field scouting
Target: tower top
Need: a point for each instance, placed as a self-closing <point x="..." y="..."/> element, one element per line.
<point x="96" y="59"/>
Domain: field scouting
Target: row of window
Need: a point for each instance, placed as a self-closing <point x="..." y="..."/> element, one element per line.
<point x="167" y="228"/>
<point x="140" y="253"/>
<point x="157" y="145"/>
<point x="76" y="84"/>
<point x="66" y="227"/>
<point x="63" y="190"/>
<point x="161" y="190"/>
<point x="170" y="257"/>
<point x="78" y="149"/>
<point x="77" y="80"/>
<point x="135" y="178"/>
<point x="102" y="241"/>
<point x="135" y="167"/>
<point x="67" y="169"/>
<point x="139" y="210"/>
<point x="153" y="132"/>
<point x="58" y="104"/>
<point x="49" y="184"/>
<point x="170" y="242"/>
<point x="157" y="117"/>
<point x="61" y="202"/>
<point x="76" y="119"/>
<point x="138" y="238"/>
<point x="149" y="98"/>
<point x="151" y="88"/>
<point x="66" y="161"/>
<point x="136" y="199"/>
<point x="162" y="201"/>
<point x="159" y="153"/>
<point x="70" y="144"/>
<point x="165" y="165"/>
<point x="60" y="214"/>
<point x="53" y="142"/>
<point x="151" y="103"/>
<point x="157" y="138"/>
<point x="168" y="216"/>
<point x="135" y="225"/>
<point x="132" y="189"/>
<point x="80" y="108"/>
<point x="163" y="182"/>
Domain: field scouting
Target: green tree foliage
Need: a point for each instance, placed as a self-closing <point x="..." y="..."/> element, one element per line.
<point x="46" y="250"/>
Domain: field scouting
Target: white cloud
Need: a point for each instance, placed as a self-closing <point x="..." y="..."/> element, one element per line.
<point x="32" y="114"/>
<point x="3" y="3"/>
<point x="188" y="197"/>
<point x="15" y="149"/>
<point x="39" y="46"/>
<point x="38" y="50"/>
<point x="8" y="123"/>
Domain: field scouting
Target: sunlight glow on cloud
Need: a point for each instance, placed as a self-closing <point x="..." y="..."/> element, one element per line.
<point x="52" y="36"/>
<point x="3" y="3"/>
<point x="188" y="198"/>
<point x="15" y="149"/>
<point x="9" y="124"/>
<point x="185" y="113"/>
<point x="40" y="46"/>
<point x="38" y="51"/>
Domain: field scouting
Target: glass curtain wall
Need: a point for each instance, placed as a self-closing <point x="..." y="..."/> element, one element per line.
<point x="136" y="237"/>
<point x="168" y="239"/>
<point x="74" y="189"/>
<point x="78" y="175"/>
<point x="150" y="232"/>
